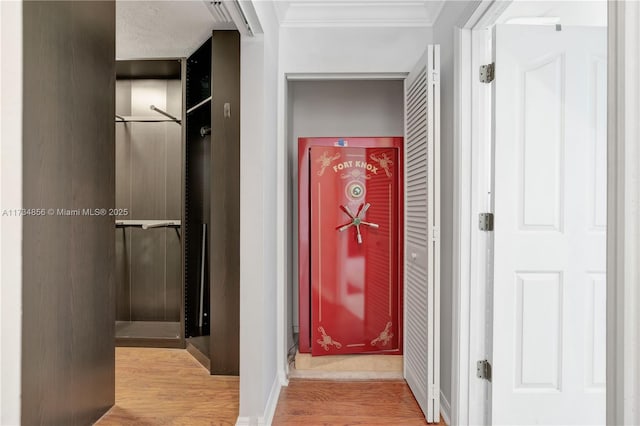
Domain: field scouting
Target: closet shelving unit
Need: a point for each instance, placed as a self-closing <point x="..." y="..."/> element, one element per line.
<point x="150" y="136"/>
<point x="197" y="213"/>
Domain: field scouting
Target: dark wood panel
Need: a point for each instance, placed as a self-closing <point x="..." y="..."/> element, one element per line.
<point x="225" y="204"/>
<point x="148" y="329"/>
<point x="174" y="99"/>
<point x="173" y="171"/>
<point x="148" y="183"/>
<point x="173" y="275"/>
<point x="148" y="198"/>
<point x="183" y="174"/>
<point x="147" y="274"/>
<point x="198" y="347"/>
<point x="148" y="68"/>
<point x="123" y="97"/>
<point x="173" y="208"/>
<point x="148" y="159"/>
<point x="68" y="163"/>
<point x="123" y="274"/>
<point x="123" y="201"/>
<point x="149" y="342"/>
<point x="123" y="166"/>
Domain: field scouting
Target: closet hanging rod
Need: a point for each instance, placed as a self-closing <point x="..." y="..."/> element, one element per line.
<point x="148" y="224"/>
<point x="166" y="114"/>
<point x="142" y="119"/>
<point x="198" y="105"/>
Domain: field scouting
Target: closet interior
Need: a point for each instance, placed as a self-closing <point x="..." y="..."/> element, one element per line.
<point x="177" y="192"/>
<point x="149" y="174"/>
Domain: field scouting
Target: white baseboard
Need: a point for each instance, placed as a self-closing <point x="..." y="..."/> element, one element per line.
<point x="269" y="410"/>
<point x="445" y="409"/>
<point x="272" y="403"/>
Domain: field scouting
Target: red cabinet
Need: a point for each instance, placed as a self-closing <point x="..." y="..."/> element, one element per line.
<point x="350" y="243"/>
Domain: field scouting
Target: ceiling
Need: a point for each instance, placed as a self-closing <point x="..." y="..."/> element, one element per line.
<point x="176" y="28"/>
<point x="163" y="29"/>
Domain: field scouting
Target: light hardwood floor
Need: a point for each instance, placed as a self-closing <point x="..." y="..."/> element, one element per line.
<point x="169" y="387"/>
<point x="319" y="402"/>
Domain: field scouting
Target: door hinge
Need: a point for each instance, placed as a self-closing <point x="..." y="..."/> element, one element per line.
<point x="486" y="221"/>
<point x="487" y="73"/>
<point x="483" y="370"/>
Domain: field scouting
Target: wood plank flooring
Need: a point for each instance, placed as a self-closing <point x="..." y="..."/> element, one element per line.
<point x="169" y="387"/>
<point x="318" y="402"/>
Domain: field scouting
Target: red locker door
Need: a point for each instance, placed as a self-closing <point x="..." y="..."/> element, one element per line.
<point x="354" y="249"/>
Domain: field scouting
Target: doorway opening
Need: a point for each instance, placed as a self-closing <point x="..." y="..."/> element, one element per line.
<point x="177" y="232"/>
<point x="340" y="109"/>
<point x="403" y="124"/>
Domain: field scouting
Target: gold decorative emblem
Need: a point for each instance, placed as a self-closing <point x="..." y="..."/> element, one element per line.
<point x="355" y="173"/>
<point x="384" y="162"/>
<point x="325" y="161"/>
<point x="385" y="336"/>
<point x="327" y="341"/>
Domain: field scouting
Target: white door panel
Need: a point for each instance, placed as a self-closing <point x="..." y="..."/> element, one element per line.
<point x="550" y="217"/>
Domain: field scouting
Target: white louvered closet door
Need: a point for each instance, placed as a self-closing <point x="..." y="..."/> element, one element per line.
<point x="422" y="222"/>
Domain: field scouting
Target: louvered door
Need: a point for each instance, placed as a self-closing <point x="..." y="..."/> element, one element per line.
<point x="422" y="250"/>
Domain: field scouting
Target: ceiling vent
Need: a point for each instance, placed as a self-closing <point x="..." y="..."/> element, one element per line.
<point x="219" y="12"/>
<point x="229" y="14"/>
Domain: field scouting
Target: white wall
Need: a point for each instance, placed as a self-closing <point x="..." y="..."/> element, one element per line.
<point x="259" y="386"/>
<point x="336" y="108"/>
<point x="10" y="198"/>
<point x="347" y="108"/>
<point x="452" y="14"/>
<point x="351" y="50"/>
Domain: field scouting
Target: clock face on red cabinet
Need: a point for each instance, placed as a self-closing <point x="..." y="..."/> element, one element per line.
<point x="354" y="248"/>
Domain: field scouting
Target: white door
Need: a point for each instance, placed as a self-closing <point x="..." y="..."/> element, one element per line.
<point x="422" y="245"/>
<point x="550" y="204"/>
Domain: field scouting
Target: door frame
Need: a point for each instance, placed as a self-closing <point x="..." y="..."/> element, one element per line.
<point x="287" y="275"/>
<point x="472" y="255"/>
<point x="471" y="397"/>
